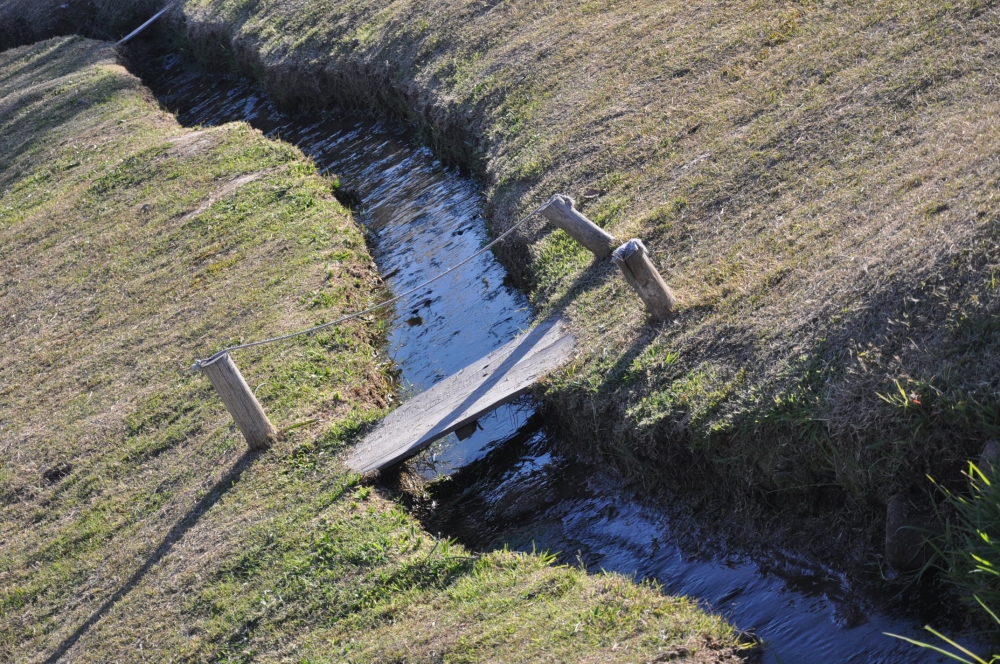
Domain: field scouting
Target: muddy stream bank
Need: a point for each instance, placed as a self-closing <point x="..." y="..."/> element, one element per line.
<point x="507" y="486"/>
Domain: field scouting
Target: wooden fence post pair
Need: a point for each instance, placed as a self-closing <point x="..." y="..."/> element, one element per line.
<point x="632" y="258"/>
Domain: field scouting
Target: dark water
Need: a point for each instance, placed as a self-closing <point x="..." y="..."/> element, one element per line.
<point x="507" y="486"/>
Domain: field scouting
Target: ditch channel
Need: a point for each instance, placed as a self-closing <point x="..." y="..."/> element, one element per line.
<point x="506" y="484"/>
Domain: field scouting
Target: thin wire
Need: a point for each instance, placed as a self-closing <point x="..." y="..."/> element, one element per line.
<point x="145" y="25"/>
<point x="201" y="364"/>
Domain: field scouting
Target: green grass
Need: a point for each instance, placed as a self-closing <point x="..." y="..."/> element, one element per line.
<point x="133" y="523"/>
<point x="969" y="549"/>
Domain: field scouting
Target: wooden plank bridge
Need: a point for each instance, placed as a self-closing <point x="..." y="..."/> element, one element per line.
<point x="457" y="402"/>
<point x="462" y="398"/>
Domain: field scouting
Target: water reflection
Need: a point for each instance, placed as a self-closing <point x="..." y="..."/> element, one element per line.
<point x="522" y="495"/>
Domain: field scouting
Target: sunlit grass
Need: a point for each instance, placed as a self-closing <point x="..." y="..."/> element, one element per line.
<point x="813" y="179"/>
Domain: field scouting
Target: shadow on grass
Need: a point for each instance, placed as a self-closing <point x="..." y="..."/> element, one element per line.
<point x="185" y="524"/>
<point x="28" y="22"/>
<point x="32" y="120"/>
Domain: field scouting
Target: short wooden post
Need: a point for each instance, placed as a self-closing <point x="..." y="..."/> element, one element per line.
<point x="640" y="273"/>
<point x="241" y="403"/>
<point x="560" y="211"/>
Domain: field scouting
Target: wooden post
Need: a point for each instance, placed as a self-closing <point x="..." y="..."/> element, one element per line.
<point x="640" y="273"/>
<point x="560" y="211"/>
<point x="241" y="403"/>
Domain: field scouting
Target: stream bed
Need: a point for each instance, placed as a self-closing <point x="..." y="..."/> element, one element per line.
<point x="507" y="484"/>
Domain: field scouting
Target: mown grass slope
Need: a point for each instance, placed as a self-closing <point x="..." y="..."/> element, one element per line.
<point x="134" y="526"/>
<point x="818" y="181"/>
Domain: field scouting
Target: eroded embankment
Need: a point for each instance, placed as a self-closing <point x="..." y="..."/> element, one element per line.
<point x="817" y="182"/>
<point x="28" y="21"/>
<point x="132" y="521"/>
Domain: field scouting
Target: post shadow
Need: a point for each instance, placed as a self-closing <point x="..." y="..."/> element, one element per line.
<point x="592" y="276"/>
<point x="180" y="528"/>
<point x="595" y="274"/>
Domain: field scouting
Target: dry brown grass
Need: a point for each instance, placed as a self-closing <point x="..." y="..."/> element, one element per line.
<point x="27" y="21"/>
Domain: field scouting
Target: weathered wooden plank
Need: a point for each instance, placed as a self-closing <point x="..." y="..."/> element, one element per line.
<point x="464" y="397"/>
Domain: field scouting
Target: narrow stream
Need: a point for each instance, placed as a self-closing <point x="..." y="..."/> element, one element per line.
<point x="507" y="485"/>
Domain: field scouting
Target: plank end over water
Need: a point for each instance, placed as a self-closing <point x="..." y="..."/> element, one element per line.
<point x="477" y="389"/>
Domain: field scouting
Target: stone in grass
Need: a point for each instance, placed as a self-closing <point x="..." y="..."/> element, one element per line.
<point x="988" y="457"/>
<point x="907" y="529"/>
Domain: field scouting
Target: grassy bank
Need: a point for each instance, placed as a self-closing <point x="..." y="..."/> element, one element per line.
<point x="133" y="523"/>
<point x="817" y="181"/>
<point x="29" y="21"/>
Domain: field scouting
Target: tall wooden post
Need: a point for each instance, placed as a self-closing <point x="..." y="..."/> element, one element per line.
<point x="241" y="403"/>
<point x="560" y="211"/>
<point x="640" y="273"/>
